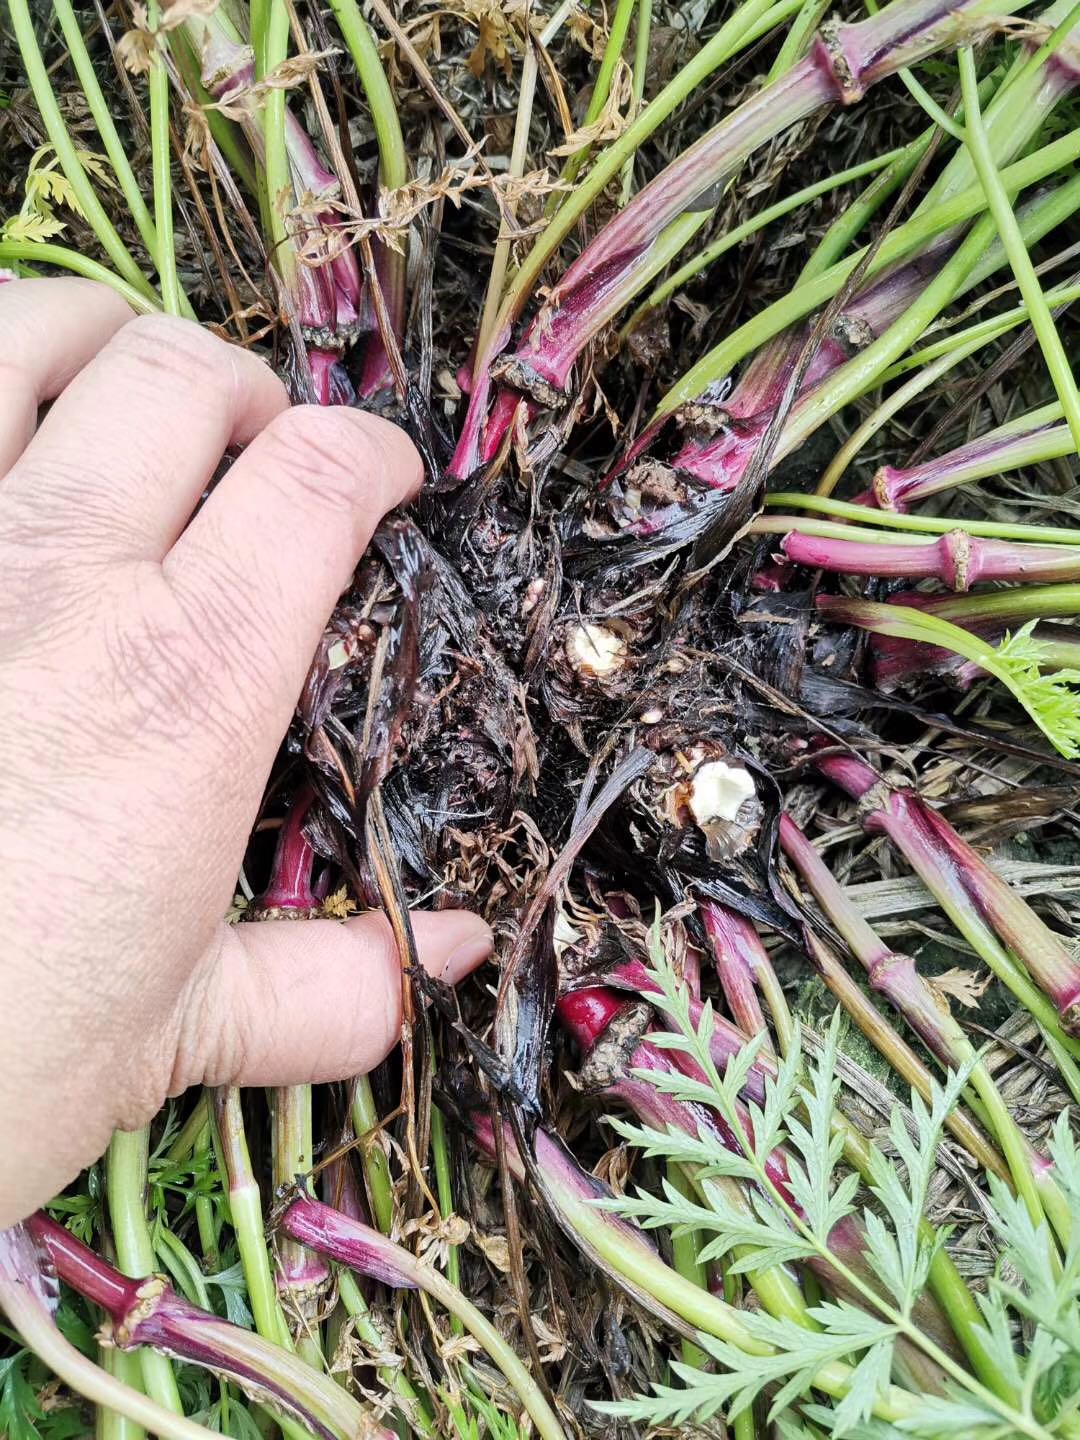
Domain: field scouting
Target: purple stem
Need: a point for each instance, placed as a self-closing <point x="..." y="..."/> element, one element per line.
<point x="290" y="888"/>
<point x="720" y="462"/>
<point x="935" y="849"/>
<point x="328" y="297"/>
<point x="892" y="975"/>
<point x="998" y="451"/>
<point x="844" y="61"/>
<point x="738" y="953"/>
<point x="149" y="1312"/>
<point x="727" y="1040"/>
<point x="958" y="559"/>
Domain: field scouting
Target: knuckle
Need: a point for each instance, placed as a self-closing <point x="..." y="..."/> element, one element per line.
<point x="155" y="665"/>
<point x="163" y="352"/>
<point x="339" y="457"/>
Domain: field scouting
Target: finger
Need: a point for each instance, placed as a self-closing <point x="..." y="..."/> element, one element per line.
<point x="130" y="445"/>
<point x="287" y="1002"/>
<point x="261" y="566"/>
<point x="49" y="329"/>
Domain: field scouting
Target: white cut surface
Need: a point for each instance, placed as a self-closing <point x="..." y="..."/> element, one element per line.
<point x="595" y="649"/>
<point x="718" y="790"/>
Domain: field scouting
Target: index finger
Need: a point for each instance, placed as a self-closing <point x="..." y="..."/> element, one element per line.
<point x="259" y="569"/>
<point x="49" y="330"/>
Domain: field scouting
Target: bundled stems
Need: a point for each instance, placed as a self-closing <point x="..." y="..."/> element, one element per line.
<point x="624" y="1251"/>
<point x="897" y="978"/>
<point x="976" y="900"/>
<point x="67" y="153"/>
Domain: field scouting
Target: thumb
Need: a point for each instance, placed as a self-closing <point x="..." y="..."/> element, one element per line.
<point x="292" y="1002"/>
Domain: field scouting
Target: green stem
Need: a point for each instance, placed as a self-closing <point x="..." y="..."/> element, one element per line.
<point x="44" y="252"/>
<point x="616" y="41"/>
<point x="161" y="155"/>
<point x="1000" y="206"/>
<point x="444" y="1190"/>
<point x="642" y="35"/>
<point x="684" y="1257"/>
<point x="678" y="279"/>
<point x="106" y="126"/>
<point x="396" y="1381"/>
<point x="373" y="1159"/>
<point x="67" y="154"/>
<point x="122" y="1365"/>
<point x="906" y="240"/>
<point x="245" y="1211"/>
<point x="126" y="1164"/>
<point x="519" y="150"/>
<point x="355" y="31"/>
<point x="500" y="1352"/>
<point x="205" y="1217"/>
<point x="883" y="413"/>
<point x="983" y="331"/>
<point x="863" y="370"/>
<point x="278" y="176"/>
<point x="932" y="525"/>
<point x="752" y="19"/>
<point x="292" y="1146"/>
<point x="799" y="37"/>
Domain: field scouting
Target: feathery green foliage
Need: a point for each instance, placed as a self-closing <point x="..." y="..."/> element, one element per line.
<point x="795" y="1222"/>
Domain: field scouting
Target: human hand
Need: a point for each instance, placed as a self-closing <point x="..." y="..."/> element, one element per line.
<point x="148" y="672"/>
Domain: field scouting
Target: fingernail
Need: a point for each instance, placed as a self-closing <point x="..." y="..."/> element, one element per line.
<point x="464" y="959"/>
